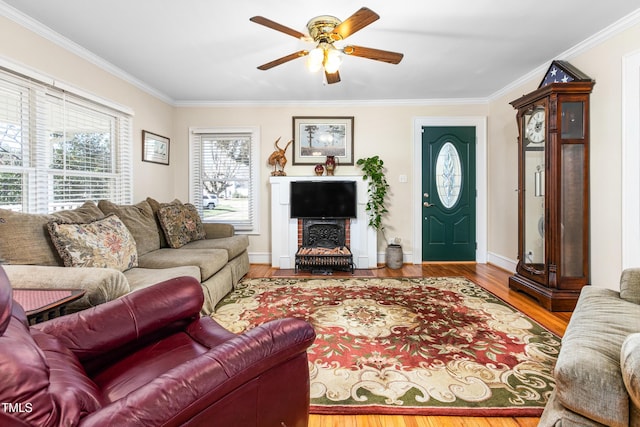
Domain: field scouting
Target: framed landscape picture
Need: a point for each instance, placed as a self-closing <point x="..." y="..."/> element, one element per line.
<point x="155" y="148"/>
<point x="315" y="138"/>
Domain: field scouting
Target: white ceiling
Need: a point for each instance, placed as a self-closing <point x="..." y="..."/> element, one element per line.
<point x="200" y="51"/>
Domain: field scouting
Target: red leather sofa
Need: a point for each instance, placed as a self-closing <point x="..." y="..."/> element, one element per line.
<point x="149" y="359"/>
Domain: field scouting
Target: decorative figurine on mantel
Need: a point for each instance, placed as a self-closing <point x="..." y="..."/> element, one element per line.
<point x="330" y="165"/>
<point x="278" y="158"/>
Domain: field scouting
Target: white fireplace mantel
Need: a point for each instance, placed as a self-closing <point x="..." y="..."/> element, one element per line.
<point x="284" y="229"/>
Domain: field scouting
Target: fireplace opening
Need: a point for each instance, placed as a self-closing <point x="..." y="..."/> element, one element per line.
<point x="323" y="245"/>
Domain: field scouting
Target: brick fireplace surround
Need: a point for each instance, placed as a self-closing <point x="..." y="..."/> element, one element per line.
<point x="285" y="232"/>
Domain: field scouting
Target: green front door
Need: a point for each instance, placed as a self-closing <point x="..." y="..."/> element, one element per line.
<point x="448" y="193"/>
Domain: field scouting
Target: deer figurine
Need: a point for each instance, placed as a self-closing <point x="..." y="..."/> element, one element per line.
<point x="278" y="158"/>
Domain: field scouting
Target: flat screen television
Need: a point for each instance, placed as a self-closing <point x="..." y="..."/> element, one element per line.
<point x="323" y="199"/>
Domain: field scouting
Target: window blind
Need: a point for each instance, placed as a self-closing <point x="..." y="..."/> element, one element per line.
<point x="14" y="131"/>
<point x="58" y="150"/>
<point x="224" y="164"/>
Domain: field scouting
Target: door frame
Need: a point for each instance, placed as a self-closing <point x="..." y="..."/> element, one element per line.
<point x="480" y="123"/>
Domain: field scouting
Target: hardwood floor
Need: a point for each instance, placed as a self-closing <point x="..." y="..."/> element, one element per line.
<point x="488" y="276"/>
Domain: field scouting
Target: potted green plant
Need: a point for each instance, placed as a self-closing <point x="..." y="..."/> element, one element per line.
<point x="373" y="168"/>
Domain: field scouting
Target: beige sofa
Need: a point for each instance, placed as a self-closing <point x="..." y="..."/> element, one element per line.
<point x="598" y="369"/>
<point x="35" y="254"/>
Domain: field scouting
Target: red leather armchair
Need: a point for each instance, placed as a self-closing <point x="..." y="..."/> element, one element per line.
<point x="149" y="359"/>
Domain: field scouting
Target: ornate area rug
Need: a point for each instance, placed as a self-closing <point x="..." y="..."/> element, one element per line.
<point x="428" y="346"/>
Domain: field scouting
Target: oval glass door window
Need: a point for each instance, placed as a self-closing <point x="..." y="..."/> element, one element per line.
<point x="448" y="175"/>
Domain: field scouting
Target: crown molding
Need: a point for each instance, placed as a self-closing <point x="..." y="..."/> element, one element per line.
<point x="334" y="103"/>
<point x="47" y="33"/>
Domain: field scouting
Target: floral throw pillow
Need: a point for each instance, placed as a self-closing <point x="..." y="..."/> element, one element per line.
<point x="181" y="224"/>
<point x="105" y="243"/>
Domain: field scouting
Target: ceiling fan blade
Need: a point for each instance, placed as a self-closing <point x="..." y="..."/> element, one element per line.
<point x="332" y="77"/>
<point x="355" y="22"/>
<point x="278" y="27"/>
<point x="284" y="59"/>
<point x="375" y="54"/>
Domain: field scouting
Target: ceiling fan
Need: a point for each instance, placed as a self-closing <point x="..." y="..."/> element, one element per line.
<point x="325" y="30"/>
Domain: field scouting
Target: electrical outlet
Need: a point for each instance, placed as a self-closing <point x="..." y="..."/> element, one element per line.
<point x="403" y="178"/>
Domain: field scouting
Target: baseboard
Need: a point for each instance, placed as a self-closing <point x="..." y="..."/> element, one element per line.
<point x="407" y="257"/>
<point x="260" y="257"/>
<point x="502" y="262"/>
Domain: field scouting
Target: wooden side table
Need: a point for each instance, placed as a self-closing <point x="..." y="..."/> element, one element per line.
<point x="45" y="304"/>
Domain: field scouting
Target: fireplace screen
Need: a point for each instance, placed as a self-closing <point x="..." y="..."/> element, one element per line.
<point x="324" y="246"/>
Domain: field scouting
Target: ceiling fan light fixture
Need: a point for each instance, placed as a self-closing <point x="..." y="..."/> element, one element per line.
<point x="328" y="32"/>
<point x="315" y="59"/>
<point x="332" y="60"/>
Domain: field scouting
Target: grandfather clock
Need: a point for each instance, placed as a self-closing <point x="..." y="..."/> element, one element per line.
<point x="553" y="188"/>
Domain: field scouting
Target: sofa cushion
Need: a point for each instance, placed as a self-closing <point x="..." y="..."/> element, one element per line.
<point x="215" y="288"/>
<point x="588" y="377"/>
<point x="100" y="284"/>
<point x="630" y="285"/>
<point x="233" y="245"/>
<point x="209" y="261"/>
<point x="630" y="365"/>
<point x="105" y="242"/>
<point x="181" y="224"/>
<point x="556" y="415"/>
<point x="217" y="230"/>
<point x="140" y="278"/>
<point x="140" y="220"/>
<point x="25" y="239"/>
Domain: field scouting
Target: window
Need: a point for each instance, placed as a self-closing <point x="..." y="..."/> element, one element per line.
<point x="224" y="175"/>
<point x="58" y="150"/>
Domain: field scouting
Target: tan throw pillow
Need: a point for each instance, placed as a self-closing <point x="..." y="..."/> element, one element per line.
<point x="105" y="243"/>
<point x="181" y="224"/>
<point x="141" y="222"/>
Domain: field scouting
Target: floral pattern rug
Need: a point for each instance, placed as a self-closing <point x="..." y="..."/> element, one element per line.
<point x="426" y="346"/>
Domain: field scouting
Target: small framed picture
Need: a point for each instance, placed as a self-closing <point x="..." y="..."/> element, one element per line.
<point x="315" y="138"/>
<point x="155" y="148"/>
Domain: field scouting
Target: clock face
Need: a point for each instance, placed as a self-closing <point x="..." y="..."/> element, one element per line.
<point x="535" y="127"/>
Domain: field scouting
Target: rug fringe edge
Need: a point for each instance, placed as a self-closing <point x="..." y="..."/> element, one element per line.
<point x="432" y="411"/>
